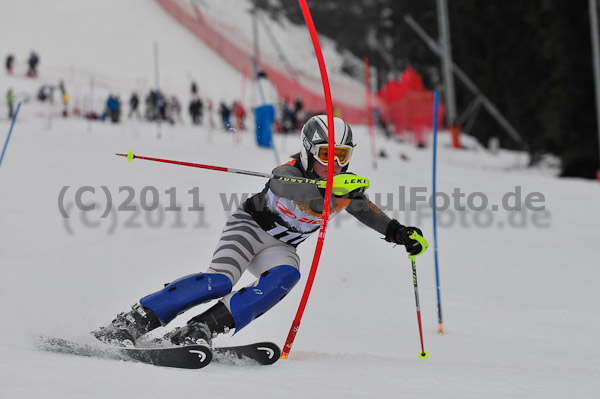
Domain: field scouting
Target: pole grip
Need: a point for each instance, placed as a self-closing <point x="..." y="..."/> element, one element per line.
<point x="422" y="241"/>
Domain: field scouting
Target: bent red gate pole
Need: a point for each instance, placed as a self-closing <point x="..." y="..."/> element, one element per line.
<point x="330" y="161"/>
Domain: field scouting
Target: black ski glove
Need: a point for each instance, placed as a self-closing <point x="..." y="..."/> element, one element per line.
<point x="399" y="234"/>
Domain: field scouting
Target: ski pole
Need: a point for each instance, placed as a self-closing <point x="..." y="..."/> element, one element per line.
<point x="12" y="124"/>
<point x="319" y="183"/>
<point x="424" y="245"/>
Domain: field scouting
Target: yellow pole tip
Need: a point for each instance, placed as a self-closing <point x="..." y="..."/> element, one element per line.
<point x="423" y="355"/>
<point x="130" y="156"/>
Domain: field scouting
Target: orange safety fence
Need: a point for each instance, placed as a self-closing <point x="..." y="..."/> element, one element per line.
<point x="236" y="50"/>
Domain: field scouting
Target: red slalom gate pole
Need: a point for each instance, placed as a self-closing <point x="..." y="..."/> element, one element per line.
<point x="330" y="161"/>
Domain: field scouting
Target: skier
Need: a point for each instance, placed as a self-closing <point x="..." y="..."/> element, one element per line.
<point x="261" y="236"/>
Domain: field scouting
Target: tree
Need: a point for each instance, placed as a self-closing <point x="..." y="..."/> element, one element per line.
<point x="530" y="58"/>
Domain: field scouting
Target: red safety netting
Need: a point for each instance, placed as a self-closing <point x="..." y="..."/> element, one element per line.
<point x="408" y="106"/>
<point x="237" y="50"/>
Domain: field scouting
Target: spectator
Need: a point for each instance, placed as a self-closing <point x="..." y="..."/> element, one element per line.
<point x="33" y="62"/>
<point x="10" y="60"/>
<point x="196" y="109"/>
<point x="113" y="108"/>
<point x="156" y="105"/>
<point x="175" y="109"/>
<point x="262" y="99"/>
<point x="134" y="102"/>
<point x="225" y="112"/>
<point x="240" y="114"/>
<point x="210" y="114"/>
<point x="10" y="100"/>
<point x="46" y="92"/>
<point x="65" y="98"/>
<point x="287" y="121"/>
<point x="378" y="120"/>
<point x="296" y="114"/>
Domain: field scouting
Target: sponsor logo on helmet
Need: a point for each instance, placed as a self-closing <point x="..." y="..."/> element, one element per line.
<point x="316" y="136"/>
<point x="307" y="143"/>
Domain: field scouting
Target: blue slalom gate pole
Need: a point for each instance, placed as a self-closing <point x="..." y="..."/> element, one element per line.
<point x="434" y="189"/>
<point x="12" y="124"/>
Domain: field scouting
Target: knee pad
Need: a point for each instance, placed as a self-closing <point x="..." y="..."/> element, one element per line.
<point x="250" y="302"/>
<point x="185" y="293"/>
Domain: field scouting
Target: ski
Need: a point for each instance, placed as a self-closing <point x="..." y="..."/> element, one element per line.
<point x="187" y="357"/>
<point x="263" y="353"/>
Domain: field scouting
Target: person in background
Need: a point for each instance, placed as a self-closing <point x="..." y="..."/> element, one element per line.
<point x="210" y="114"/>
<point x="33" y="62"/>
<point x="134" y="102"/>
<point x="240" y="115"/>
<point x="10" y="101"/>
<point x="65" y="98"/>
<point x="113" y="107"/>
<point x="10" y="60"/>
<point x="196" y="108"/>
<point x="225" y="112"/>
<point x="296" y="113"/>
<point x="262" y="98"/>
<point x="175" y="109"/>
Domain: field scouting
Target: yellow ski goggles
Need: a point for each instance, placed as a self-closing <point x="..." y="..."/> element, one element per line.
<point x="342" y="155"/>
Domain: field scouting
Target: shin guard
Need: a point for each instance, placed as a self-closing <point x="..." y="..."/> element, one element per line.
<point x="250" y="302"/>
<point x="185" y="293"/>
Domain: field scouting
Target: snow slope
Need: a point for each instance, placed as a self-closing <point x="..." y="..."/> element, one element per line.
<point x="519" y="290"/>
<point x="113" y="41"/>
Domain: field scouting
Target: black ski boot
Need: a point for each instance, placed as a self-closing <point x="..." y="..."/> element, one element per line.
<point x="126" y="328"/>
<point x="201" y="329"/>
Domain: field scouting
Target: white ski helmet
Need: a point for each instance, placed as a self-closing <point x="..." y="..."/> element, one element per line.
<point x="315" y="140"/>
